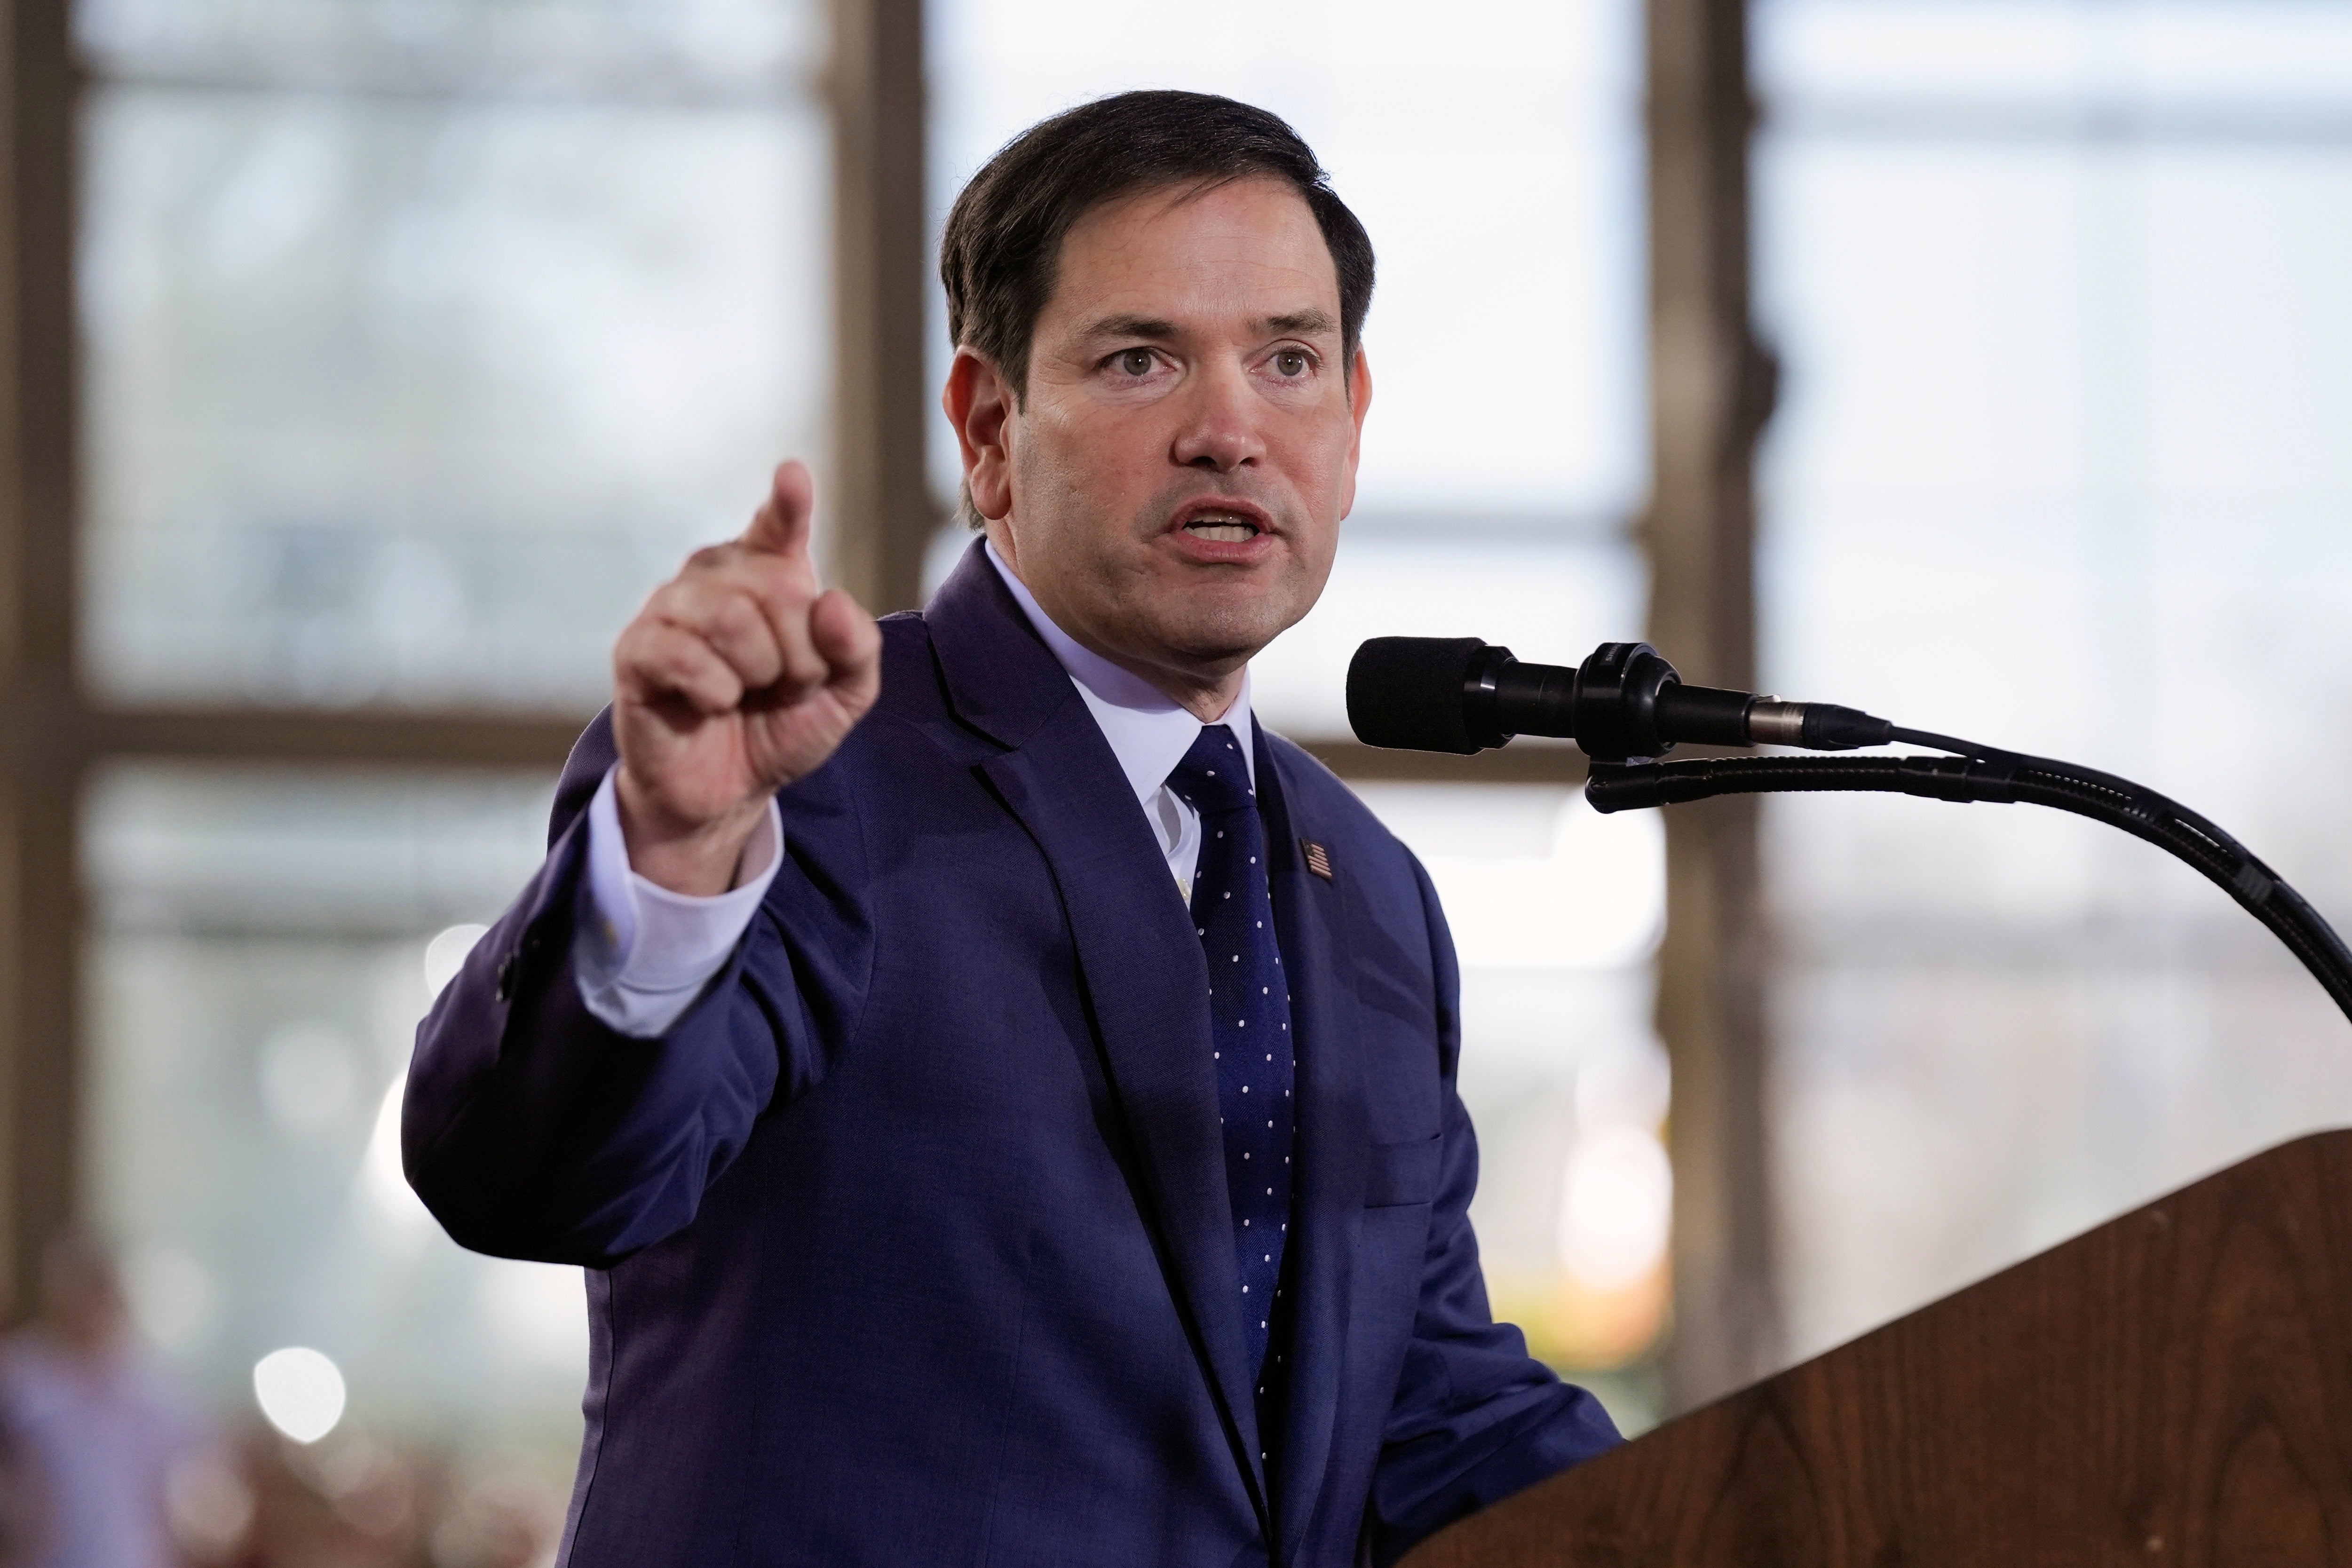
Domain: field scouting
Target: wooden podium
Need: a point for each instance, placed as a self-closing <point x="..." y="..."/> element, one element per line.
<point x="2173" y="1387"/>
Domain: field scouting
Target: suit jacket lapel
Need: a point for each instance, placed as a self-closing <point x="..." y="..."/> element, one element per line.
<point x="1328" y="1210"/>
<point x="1140" y="960"/>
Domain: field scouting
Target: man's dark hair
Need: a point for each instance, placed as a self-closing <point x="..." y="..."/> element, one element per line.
<point x="1006" y="232"/>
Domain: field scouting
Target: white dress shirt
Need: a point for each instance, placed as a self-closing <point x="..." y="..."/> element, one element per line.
<point x="644" y="954"/>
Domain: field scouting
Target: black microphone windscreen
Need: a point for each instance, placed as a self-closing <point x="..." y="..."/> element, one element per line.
<point x="1407" y="692"/>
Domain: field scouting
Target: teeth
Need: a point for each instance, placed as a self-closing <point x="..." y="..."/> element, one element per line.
<point x="1222" y="531"/>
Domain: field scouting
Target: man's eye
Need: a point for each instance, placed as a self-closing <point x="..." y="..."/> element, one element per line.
<point x="1136" y="362"/>
<point x="1290" y="361"/>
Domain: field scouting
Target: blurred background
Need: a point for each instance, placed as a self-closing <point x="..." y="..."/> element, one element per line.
<point x="1979" y="363"/>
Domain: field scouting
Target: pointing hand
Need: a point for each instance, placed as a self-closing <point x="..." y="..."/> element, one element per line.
<point x="739" y="675"/>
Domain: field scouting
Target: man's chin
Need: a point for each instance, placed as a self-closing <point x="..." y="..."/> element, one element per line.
<point x="1224" y="640"/>
<point x="1213" y="623"/>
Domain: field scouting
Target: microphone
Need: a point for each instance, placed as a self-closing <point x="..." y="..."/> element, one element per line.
<point x="1625" y="702"/>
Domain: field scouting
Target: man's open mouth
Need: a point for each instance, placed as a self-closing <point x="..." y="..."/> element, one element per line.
<point x="1223" y="527"/>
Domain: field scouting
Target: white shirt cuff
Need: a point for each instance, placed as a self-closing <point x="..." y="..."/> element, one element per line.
<point x="644" y="954"/>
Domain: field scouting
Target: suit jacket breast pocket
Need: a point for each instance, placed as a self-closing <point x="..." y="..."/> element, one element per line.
<point x="1405" y="1172"/>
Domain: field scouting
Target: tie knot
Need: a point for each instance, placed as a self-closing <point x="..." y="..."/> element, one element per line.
<point x="1215" y="775"/>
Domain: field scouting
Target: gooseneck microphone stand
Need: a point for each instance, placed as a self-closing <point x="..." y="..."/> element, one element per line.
<point x="1984" y="774"/>
<point x="1625" y="708"/>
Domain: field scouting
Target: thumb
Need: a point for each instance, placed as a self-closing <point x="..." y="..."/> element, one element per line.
<point x="780" y="527"/>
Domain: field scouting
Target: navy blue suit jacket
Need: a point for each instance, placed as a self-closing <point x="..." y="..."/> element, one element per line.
<point x="910" y="1242"/>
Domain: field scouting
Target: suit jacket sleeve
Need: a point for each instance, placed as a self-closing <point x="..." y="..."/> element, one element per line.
<point x="532" y="1130"/>
<point x="1476" y="1418"/>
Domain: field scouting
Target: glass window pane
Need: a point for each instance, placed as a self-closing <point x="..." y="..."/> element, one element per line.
<point x="2249" y="326"/>
<point x="1953" y="48"/>
<point x="2263" y="60"/>
<point x="2288" y="55"/>
<point x="265" y="947"/>
<point x="618" y="47"/>
<point x="2060" y="466"/>
<point x="412" y="395"/>
<point x="1953" y="316"/>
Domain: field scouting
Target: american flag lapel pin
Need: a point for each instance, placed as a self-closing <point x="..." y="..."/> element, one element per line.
<point x="1319" y="859"/>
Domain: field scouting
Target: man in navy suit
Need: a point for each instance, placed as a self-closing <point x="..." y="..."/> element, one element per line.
<point x="890" y="1028"/>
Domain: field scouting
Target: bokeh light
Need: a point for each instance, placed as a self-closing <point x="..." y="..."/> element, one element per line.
<point x="301" y="1392"/>
<point x="1616" y="1204"/>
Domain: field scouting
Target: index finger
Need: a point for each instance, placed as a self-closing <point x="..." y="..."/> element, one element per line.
<point x="780" y="527"/>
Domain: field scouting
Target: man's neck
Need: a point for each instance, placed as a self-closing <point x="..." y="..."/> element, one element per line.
<point x="1208" y="704"/>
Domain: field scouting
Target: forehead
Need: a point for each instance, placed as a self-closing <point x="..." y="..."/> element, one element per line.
<point x="1249" y="246"/>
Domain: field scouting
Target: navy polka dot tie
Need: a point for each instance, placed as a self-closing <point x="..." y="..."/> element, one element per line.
<point x="1249" y="1009"/>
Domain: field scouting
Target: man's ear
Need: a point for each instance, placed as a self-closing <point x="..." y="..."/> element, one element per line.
<point x="1359" y="400"/>
<point x="979" y="405"/>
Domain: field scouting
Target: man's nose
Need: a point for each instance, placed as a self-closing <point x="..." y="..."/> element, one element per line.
<point x="1218" y="431"/>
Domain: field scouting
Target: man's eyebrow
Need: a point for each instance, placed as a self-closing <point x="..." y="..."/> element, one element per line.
<point x="1300" y="324"/>
<point x="1292" y="323"/>
<point x="1131" y="327"/>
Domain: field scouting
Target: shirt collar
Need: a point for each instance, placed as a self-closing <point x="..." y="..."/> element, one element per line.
<point x="1147" y="733"/>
